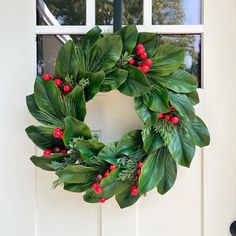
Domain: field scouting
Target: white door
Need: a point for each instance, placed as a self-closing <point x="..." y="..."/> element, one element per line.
<point x="202" y="202"/>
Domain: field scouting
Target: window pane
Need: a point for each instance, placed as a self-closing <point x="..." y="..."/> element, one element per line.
<point x="176" y="12"/>
<point x="132" y="12"/>
<point x="192" y="44"/>
<point x="66" y="12"/>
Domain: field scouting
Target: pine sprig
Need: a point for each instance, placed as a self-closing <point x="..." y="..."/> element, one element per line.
<point x="67" y="161"/>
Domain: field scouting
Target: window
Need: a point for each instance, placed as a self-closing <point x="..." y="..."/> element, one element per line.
<point x="176" y="21"/>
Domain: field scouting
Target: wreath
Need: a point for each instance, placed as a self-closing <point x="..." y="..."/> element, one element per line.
<point x="164" y="98"/>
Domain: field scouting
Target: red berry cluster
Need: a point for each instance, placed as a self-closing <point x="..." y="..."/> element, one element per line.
<point x="140" y="60"/>
<point x="48" y="152"/>
<point x="97" y="187"/>
<point x="134" y="188"/>
<point x="174" y="119"/>
<point x="58" y="81"/>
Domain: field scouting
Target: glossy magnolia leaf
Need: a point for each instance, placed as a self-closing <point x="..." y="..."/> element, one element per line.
<point x="43" y="137"/>
<point x="78" y="188"/>
<point x="78" y="174"/>
<point x="109" y="154"/>
<point x="105" y="54"/>
<point x="179" y="81"/>
<point x="129" y="36"/>
<point x="95" y="81"/>
<point x="152" y="172"/>
<point x="200" y="132"/>
<point x="48" y="98"/>
<point x="125" y="199"/>
<point x="144" y="112"/>
<point x="157" y="99"/>
<point x="182" y="147"/>
<point x="166" y="60"/>
<point x="182" y="104"/>
<point x="45" y="162"/>
<point x="151" y="140"/>
<point x="75" y="129"/>
<point x="111" y="185"/>
<point x="75" y="104"/>
<point x="90" y="38"/>
<point x="113" y="80"/>
<point x="136" y="83"/>
<point x="193" y="97"/>
<point x="149" y="41"/>
<point x="67" y="62"/>
<point x="131" y="144"/>
<point x="169" y="170"/>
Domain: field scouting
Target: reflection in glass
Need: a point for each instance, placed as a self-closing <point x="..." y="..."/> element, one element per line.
<point x="132" y="12"/>
<point x="176" y="12"/>
<point x="66" y="12"/>
<point x="192" y="44"/>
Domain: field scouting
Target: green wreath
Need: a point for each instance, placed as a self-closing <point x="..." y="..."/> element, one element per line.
<point x="164" y="96"/>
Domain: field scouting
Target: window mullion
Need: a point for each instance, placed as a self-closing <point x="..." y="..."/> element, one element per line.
<point x="147" y="12"/>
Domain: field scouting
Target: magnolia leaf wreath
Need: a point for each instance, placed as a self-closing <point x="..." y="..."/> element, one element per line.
<point x="164" y="98"/>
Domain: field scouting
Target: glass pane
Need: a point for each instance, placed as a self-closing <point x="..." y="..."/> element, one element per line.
<point x="132" y="12"/>
<point x="66" y="12"/>
<point x="176" y="12"/>
<point x="192" y="44"/>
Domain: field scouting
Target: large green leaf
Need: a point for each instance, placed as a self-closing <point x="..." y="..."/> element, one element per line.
<point x="45" y="162"/>
<point x="48" y="98"/>
<point x="167" y="59"/>
<point x="105" y="54"/>
<point x="150" y="42"/>
<point x="90" y="38"/>
<point x="193" y="97"/>
<point x="182" y="147"/>
<point x="78" y="188"/>
<point x="144" y="112"/>
<point x="75" y="129"/>
<point x="182" y="104"/>
<point x="125" y="199"/>
<point x="129" y="36"/>
<point x="200" y="132"/>
<point x="169" y="170"/>
<point x="67" y="62"/>
<point x="151" y="172"/>
<point x="78" y="174"/>
<point x="43" y="137"/>
<point x="75" y="104"/>
<point x="157" y="99"/>
<point x="113" y="80"/>
<point x="179" y="81"/>
<point x="95" y="81"/>
<point x="151" y="140"/>
<point x="136" y="83"/>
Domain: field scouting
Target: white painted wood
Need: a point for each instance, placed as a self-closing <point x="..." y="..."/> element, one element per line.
<point x="147" y="12"/>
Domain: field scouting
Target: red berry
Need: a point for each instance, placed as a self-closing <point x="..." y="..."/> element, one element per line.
<point x="140" y="47"/>
<point x="102" y="199"/>
<point x="64" y="151"/>
<point x="57" y="150"/>
<point x="143" y="55"/>
<point x="58" y="133"/>
<point x="175" y="120"/>
<point x="134" y="190"/>
<point x="167" y="117"/>
<point x="112" y="167"/>
<point x="138" y="171"/>
<point x="66" y="88"/>
<point x="98" y="190"/>
<point x="131" y="61"/>
<point x="107" y="173"/>
<point x="140" y="164"/>
<point x="148" y="62"/>
<point x="47" y="153"/>
<point x="161" y="115"/>
<point x="145" y="69"/>
<point x="140" y="68"/>
<point x="99" y="177"/>
<point x="58" y="82"/>
<point x="46" y="76"/>
<point x="95" y="185"/>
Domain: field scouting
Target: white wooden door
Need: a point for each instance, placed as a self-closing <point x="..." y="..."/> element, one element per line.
<point x="202" y="202"/>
